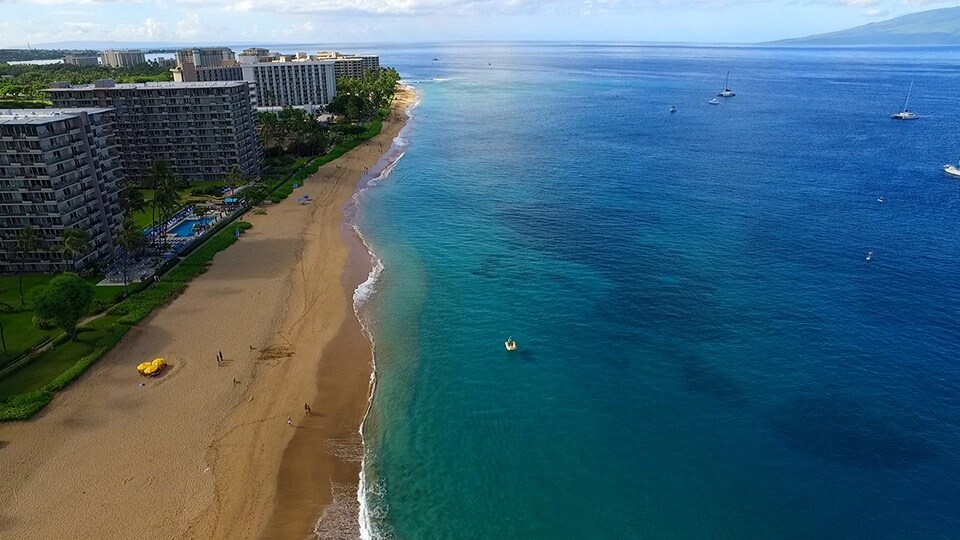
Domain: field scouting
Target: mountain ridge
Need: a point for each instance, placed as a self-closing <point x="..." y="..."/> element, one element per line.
<point x="932" y="27"/>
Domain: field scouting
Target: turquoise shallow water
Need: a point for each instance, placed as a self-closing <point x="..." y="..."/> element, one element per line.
<point x="704" y="350"/>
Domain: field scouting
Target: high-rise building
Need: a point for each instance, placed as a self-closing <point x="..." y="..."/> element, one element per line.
<point x="73" y="60"/>
<point x="261" y="54"/>
<point x="59" y="169"/>
<point x="284" y="81"/>
<point x="206" y="57"/>
<point x="351" y="65"/>
<point x="201" y="129"/>
<point x="122" y="59"/>
<point x="308" y="83"/>
<point x="190" y="73"/>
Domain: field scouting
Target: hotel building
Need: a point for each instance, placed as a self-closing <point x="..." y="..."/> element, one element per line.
<point x="201" y="129"/>
<point x="59" y="169"/>
<point x="122" y="59"/>
<point x="206" y="57"/>
<point x="73" y="60"/>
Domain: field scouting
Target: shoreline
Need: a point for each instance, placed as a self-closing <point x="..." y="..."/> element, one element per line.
<point x="319" y="461"/>
<point x="205" y="450"/>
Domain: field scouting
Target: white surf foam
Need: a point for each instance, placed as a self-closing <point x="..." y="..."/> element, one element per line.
<point x="361" y="296"/>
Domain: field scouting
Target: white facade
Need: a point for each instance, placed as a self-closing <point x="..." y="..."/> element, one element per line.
<point x="281" y="84"/>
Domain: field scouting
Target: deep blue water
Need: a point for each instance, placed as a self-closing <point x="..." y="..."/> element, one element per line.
<point x="704" y="350"/>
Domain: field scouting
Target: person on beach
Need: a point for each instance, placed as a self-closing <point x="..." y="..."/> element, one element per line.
<point x="306" y="407"/>
<point x="289" y="421"/>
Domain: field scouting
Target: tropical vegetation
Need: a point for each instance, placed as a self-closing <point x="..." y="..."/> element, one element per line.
<point x="63" y="301"/>
<point x="362" y="99"/>
<point x="23" y="82"/>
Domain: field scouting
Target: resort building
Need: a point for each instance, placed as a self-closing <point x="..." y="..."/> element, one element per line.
<point x="73" y="60"/>
<point x="305" y="84"/>
<point x="122" y="59"/>
<point x="201" y="129"/>
<point x="59" y="169"/>
<point x="261" y="54"/>
<point x="206" y="57"/>
<point x="351" y="65"/>
<point x="191" y="73"/>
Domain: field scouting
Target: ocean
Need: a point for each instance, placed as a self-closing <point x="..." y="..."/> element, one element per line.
<point x="704" y="349"/>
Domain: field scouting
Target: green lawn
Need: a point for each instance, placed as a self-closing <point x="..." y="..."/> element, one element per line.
<point x="17" y="320"/>
<point x="143" y="219"/>
<point x="49" y="365"/>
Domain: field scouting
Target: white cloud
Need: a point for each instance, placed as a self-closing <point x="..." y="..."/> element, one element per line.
<point x="191" y="27"/>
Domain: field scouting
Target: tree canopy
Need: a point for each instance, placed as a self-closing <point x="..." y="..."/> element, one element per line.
<point x="63" y="301"/>
<point x="27" y="81"/>
<point x="363" y="98"/>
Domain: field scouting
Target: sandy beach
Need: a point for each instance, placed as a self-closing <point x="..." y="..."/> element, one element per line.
<point x="205" y="450"/>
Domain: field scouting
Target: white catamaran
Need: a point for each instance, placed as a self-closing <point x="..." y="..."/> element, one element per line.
<point x="727" y="92"/>
<point x="905" y="114"/>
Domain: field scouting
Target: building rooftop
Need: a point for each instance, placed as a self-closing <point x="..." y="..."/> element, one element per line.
<point x="42" y="116"/>
<point x="110" y="85"/>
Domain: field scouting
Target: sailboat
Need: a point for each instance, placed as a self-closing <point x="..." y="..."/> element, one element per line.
<point x="905" y="114"/>
<point x="727" y="92"/>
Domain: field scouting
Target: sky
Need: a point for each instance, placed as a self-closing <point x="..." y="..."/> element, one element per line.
<point x="366" y="21"/>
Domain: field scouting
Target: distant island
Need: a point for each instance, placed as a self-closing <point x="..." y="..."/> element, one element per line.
<point x="933" y="27"/>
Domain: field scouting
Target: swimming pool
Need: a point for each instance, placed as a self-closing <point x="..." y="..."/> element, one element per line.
<point x="184" y="229"/>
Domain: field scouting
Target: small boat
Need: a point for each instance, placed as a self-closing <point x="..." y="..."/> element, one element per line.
<point x="880" y="199"/>
<point x="869" y="256"/>
<point x="726" y="92"/>
<point x="510" y="344"/>
<point x="436" y="59"/>
<point x="952" y="170"/>
<point x="905" y="114"/>
<point x="673" y="109"/>
<point x="713" y="102"/>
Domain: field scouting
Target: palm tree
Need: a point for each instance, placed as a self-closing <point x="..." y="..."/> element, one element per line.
<point x="26" y="243"/>
<point x="130" y="238"/>
<point x="132" y="199"/>
<point x="235" y="177"/>
<point x="166" y="198"/>
<point x="75" y="242"/>
<point x="158" y="175"/>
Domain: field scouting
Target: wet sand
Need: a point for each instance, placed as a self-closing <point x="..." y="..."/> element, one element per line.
<point x="205" y="451"/>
